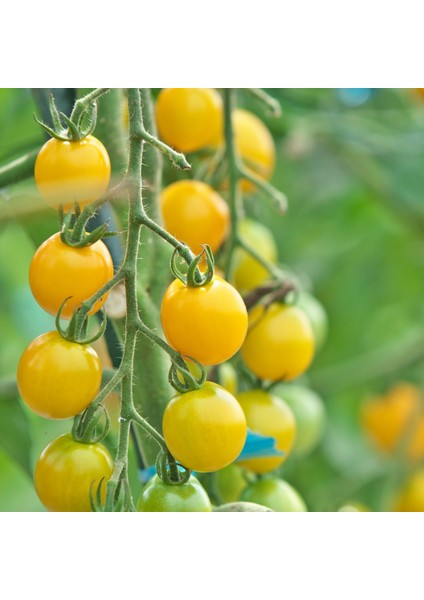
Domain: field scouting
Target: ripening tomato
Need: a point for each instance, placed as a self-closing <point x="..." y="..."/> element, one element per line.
<point x="56" y="378"/>
<point x="275" y="494"/>
<point x="247" y="272"/>
<point x="69" y="172"/>
<point x="411" y="496"/>
<point x="280" y="342"/>
<point x="205" y="429"/>
<point x="59" y="271"/>
<point x="195" y="214"/>
<point x="354" y="507"/>
<point x="67" y="471"/>
<point x="309" y="412"/>
<point x="316" y="315"/>
<point x="157" y="496"/>
<point x="270" y="416"/>
<point x="189" y="119"/>
<point x="228" y="484"/>
<point x="207" y="323"/>
<point x="390" y="418"/>
<point x="227" y="376"/>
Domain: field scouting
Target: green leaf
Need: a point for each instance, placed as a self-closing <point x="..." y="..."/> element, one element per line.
<point x="15" y="435"/>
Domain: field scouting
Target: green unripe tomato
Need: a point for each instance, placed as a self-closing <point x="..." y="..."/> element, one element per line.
<point x="316" y="315"/>
<point x="157" y="496"/>
<point x="275" y="494"/>
<point x="228" y="484"/>
<point x="309" y="413"/>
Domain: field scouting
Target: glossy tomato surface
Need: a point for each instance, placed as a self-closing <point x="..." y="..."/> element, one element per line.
<point x="59" y="271"/>
<point x="205" y="429"/>
<point x="195" y="214"/>
<point x="69" y="172"/>
<point x="275" y="494"/>
<point x="270" y="416"/>
<point x="280" y="343"/>
<point x="56" y="378"/>
<point x="157" y="496"/>
<point x="66" y="472"/>
<point x="207" y="323"/>
<point x="189" y="119"/>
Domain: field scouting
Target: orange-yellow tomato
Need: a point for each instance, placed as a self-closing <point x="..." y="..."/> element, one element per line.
<point x="205" y="429"/>
<point x="268" y="415"/>
<point x="280" y="342"/>
<point x="59" y="271"/>
<point x="396" y="418"/>
<point x="69" y="172"/>
<point x="56" y="378"/>
<point x="68" y="471"/>
<point x="189" y="118"/>
<point x="411" y="496"/>
<point x="207" y="323"/>
<point x="195" y="213"/>
<point x="247" y="272"/>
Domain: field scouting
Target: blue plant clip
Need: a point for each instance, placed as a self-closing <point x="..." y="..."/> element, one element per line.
<point x="259" y="446"/>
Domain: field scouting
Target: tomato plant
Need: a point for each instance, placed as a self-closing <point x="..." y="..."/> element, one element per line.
<point x="280" y="342"/>
<point x="268" y="415"/>
<point x="195" y="213"/>
<point x="68" y="172"/>
<point x="275" y="494"/>
<point x="228" y="483"/>
<point x="59" y="271"/>
<point x="158" y="496"/>
<point x="189" y="118"/>
<point x="67" y="472"/>
<point x="207" y="323"/>
<point x="57" y="378"/>
<point x="214" y="428"/>
<point x="309" y="412"/>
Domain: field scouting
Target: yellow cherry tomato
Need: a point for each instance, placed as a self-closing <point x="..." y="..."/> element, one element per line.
<point x="395" y="418"/>
<point x="205" y="429"/>
<point x="280" y="342"/>
<point x="69" y="172"/>
<point x="67" y="471"/>
<point x="207" y="323"/>
<point x="59" y="271"/>
<point x="254" y="144"/>
<point x="411" y="496"/>
<point x="227" y="376"/>
<point x="270" y="416"/>
<point x="247" y="272"/>
<point x="56" y="378"/>
<point x="195" y="213"/>
<point x="189" y="119"/>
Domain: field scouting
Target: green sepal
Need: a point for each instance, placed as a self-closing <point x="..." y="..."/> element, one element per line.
<point x="164" y="469"/>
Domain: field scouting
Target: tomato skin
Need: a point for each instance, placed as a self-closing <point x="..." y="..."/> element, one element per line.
<point x="58" y="271"/>
<point x="195" y="213"/>
<point x="157" y="496"/>
<point x="316" y="315"/>
<point x="228" y="484"/>
<point x="58" y="379"/>
<point x="69" y="172"/>
<point x="189" y="119"/>
<point x="207" y="323"/>
<point x="270" y="416"/>
<point x="280" y="342"/>
<point x="387" y="418"/>
<point x="65" y="471"/>
<point x="205" y="430"/>
<point x="309" y="412"/>
<point x="275" y="494"/>
<point x="411" y="496"/>
<point x="247" y="272"/>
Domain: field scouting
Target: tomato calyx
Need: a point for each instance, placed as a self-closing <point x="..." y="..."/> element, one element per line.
<point x="73" y="227"/>
<point x="65" y="129"/>
<point x="182" y="379"/>
<point x="77" y="329"/>
<point x="94" y="430"/>
<point x="170" y="471"/>
<point x="193" y="277"/>
<point x="274" y="291"/>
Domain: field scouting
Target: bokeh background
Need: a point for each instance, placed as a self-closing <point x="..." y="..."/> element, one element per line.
<point x="351" y="164"/>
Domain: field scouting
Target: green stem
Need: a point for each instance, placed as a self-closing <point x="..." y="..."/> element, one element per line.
<point x="18" y="169"/>
<point x="279" y="199"/>
<point x="272" y="269"/>
<point x="83" y="103"/>
<point x="271" y="103"/>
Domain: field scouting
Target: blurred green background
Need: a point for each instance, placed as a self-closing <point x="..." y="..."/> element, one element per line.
<point x="351" y="164"/>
